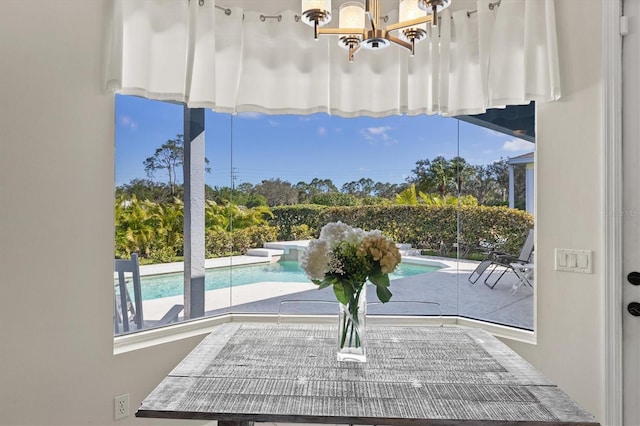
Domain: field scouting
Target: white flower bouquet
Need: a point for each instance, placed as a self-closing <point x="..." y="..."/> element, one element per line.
<point x="345" y="258"/>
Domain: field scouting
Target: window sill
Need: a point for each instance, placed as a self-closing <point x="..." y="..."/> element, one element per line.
<point x="199" y="327"/>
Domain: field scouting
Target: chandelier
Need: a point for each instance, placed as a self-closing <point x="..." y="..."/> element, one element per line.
<point x="362" y="25"/>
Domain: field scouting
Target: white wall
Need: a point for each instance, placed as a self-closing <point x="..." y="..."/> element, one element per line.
<point x="56" y="221"/>
<point x="569" y="209"/>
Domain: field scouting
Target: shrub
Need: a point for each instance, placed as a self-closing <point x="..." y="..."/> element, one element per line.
<point x="428" y="227"/>
<point x="286" y="218"/>
<point x="258" y="235"/>
<point x="335" y="199"/>
<point x="302" y="232"/>
<point x="241" y="241"/>
<point x="375" y="201"/>
<point x="152" y="230"/>
<point x="163" y="255"/>
<point x="217" y="243"/>
<point x="221" y="243"/>
<point x="500" y="228"/>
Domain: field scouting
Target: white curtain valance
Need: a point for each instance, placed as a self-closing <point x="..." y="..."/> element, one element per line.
<point x="194" y="52"/>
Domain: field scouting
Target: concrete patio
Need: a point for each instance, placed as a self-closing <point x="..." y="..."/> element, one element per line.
<point x="449" y="287"/>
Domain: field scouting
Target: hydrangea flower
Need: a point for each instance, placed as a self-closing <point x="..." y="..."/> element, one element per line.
<point x="315" y="259"/>
<point x="346" y="257"/>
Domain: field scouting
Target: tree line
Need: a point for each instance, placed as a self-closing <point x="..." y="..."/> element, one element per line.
<point x="149" y="213"/>
<point x="439" y="176"/>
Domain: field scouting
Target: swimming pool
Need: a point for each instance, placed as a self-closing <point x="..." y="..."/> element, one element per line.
<point x="157" y="286"/>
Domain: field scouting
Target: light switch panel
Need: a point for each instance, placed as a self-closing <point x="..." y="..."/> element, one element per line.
<point x="574" y="260"/>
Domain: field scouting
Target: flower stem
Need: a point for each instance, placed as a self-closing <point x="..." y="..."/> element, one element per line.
<point x="350" y="322"/>
<point x="344" y="331"/>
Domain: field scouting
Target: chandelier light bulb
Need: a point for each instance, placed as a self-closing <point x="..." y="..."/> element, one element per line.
<point x="352" y="15"/>
<point x="429" y="5"/>
<point x="316" y="12"/>
<point x="408" y="10"/>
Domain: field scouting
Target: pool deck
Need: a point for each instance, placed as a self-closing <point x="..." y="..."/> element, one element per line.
<point x="170" y="268"/>
<point x="448" y="286"/>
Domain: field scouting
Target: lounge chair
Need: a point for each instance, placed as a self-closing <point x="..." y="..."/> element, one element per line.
<point x="502" y="262"/>
<point x="128" y="313"/>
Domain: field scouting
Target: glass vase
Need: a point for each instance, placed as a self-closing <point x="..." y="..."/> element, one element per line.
<point x="351" y="328"/>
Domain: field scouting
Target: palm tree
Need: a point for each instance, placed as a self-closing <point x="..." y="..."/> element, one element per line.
<point x="408" y="196"/>
<point x="136" y="225"/>
<point x="215" y="217"/>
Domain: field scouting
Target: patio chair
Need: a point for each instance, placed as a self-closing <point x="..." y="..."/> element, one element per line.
<point x="502" y="262"/>
<point x="128" y="313"/>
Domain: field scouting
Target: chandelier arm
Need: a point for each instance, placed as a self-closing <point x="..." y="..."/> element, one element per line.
<point x="341" y="31"/>
<point x="372" y="8"/>
<point x="400" y="42"/>
<point x="352" y="52"/>
<point x="372" y="20"/>
<point x="410" y="23"/>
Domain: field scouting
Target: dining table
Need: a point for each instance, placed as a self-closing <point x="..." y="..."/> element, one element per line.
<point x="428" y="375"/>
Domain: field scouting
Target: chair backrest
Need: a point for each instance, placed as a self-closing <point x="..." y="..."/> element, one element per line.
<point x="527" y="248"/>
<point x="131" y="266"/>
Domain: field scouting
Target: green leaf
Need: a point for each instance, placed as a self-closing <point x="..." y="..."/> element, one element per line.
<point x="322" y="283"/>
<point x="380" y="279"/>
<point x="383" y="293"/>
<point x="349" y="290"/>
<point x="339" y="291"/>
<point x="382" y="284"/>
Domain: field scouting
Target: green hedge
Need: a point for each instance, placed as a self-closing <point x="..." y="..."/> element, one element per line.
<point x="433" y="228"/>
<point x="335" y="199"/>
<point x="221" y="243"/>
<point x="290" y="218"/>
<point x="155" y="231"/>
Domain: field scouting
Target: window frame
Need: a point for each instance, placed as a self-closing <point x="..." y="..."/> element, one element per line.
<point x="193" y="175"/>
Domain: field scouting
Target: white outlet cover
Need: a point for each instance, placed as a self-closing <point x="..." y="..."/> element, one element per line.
<point x="121" y="406"/>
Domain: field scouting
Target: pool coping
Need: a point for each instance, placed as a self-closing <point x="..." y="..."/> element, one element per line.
<point x="221" y="262"/>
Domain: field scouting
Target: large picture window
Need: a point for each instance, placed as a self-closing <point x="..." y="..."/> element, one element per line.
<point x="451" y="194"/>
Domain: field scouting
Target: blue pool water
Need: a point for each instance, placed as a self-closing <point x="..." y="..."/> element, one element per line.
<point x="157" y="286"/>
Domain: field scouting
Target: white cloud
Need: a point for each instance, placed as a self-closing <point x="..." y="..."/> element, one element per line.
<point x="518" y="145"/>
<point x="250" y="115"/>
<point x="382" y="130"/>
<point x="129" y="122"/>
<point x="322" y="131"/>
<point x="273" y="123"/>
<point x="378" y="134"/>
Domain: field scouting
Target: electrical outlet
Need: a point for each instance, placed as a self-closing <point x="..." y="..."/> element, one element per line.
<point x="121" y="406"/>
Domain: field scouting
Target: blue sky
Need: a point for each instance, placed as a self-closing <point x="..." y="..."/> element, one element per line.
<point x="299" y="148"/>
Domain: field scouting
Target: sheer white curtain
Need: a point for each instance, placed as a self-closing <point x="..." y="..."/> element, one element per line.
<point x="194" y="52"/>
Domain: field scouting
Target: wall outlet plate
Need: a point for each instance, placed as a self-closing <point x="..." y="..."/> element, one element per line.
<point x="121" y="406"/>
